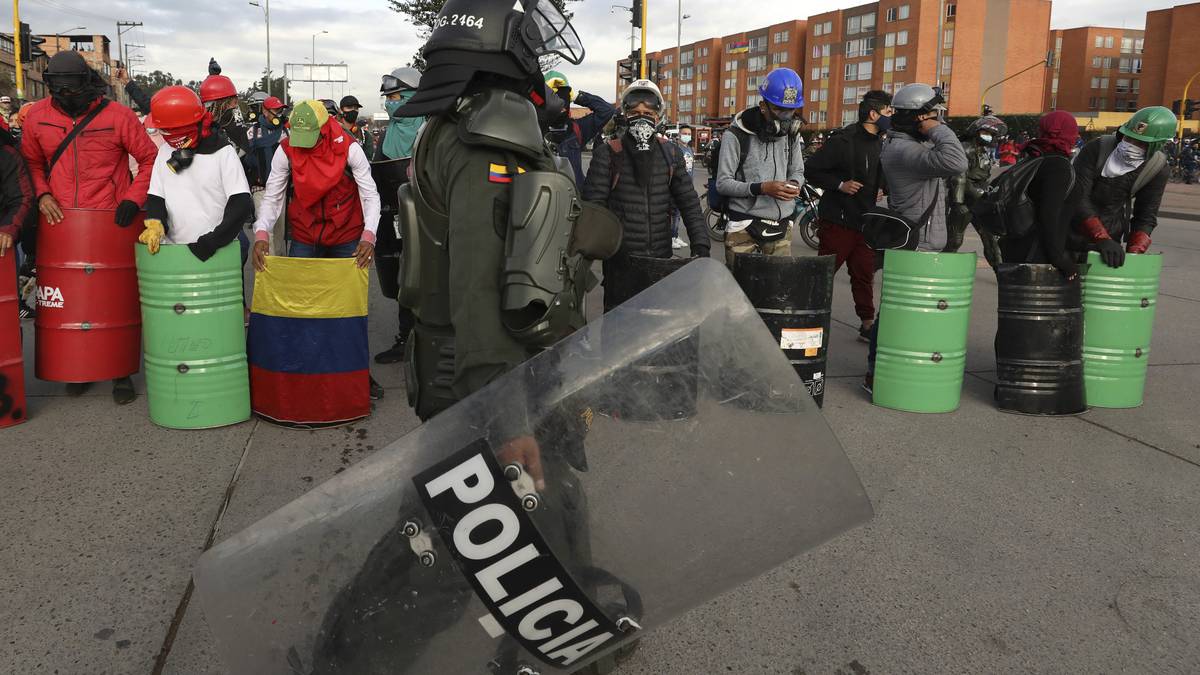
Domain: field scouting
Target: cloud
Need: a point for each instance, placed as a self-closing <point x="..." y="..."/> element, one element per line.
<point x="371" y="39"/>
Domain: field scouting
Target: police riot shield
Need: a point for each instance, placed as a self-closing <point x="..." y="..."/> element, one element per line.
<point x="525" y="531"/>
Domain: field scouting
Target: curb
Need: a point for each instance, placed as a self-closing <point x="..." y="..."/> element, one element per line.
<point x="1179" y="216"/>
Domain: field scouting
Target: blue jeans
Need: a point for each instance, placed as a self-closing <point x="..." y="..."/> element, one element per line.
<point x="299" y="250"/>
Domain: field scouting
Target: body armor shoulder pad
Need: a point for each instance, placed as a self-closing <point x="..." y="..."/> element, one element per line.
<point x="501" y="119"/>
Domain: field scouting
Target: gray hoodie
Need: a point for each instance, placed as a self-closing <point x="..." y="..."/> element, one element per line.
<point x="915" y="171"/>
<point x="765" y="161"/>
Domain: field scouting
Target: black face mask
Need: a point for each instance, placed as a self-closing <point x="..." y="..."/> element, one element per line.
<point x="74" y="104"/>
<point x="224" y="118"/>
<point x="351" y="116"/>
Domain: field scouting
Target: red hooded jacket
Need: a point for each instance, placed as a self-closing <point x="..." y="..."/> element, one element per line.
<point x="93" y="173"/>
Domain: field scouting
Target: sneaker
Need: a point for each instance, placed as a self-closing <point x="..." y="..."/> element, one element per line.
<point x="25" y="311"/>
<point x="864" y="331"/>
<point x="677" y="243"/>
<point x="78" y="388"/>
<point x="376" y="390"/>
<point x="123" y="392"/>
<point x="394" y="354"/>
<point x="868" y="384"/>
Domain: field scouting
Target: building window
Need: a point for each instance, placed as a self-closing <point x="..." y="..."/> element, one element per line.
<point x="826" y="50"/>
<point x="868" y="22"/>
<point x="1136" y="86"/>
<point x="1125" y="64"/>
<point x="686" y="73"/>
<point x="901" y="38"/>
<point x="1099" y="42"/>
<point x="824" y="94"/>
<point x="1137" y="65"/>
<point x="901" y="64"/>
<point x="729" y="83"/>
<point x="1122" y="86"/>
<point x="887" y="86"/>
<point x="951" y="11"/>
<point x="669" y="58"/>
<point x="828" y="27"/>
<point x="1095" y="61"/>
<point x="703" y="68"/>
<point x="818" y="29"/>
<point x="898" y="85"/>
<point x="756" y="63"/>
<point x="1104" y="83"/>
<point x="1126" y="45"/>
<point x="888" y="64"/>
<point x="752" y="100"/>
<point x="731" y="66"/>
<point x="849" y="94"/>
<point x="947" y="64"/>
<point x="903" y="12"/>
<point x="1095" y="83"/>
<point x="753" y="82"/>
<point x="816" y="74"/>
<point x="864" y="70"/>
<point x="1108" y="42"/>
<point x="853" y="25"/>
<point x="1138" y="44"/>
<point x="666" y="90"/>
<point x="1093" y="102"/>
<point x="758" y="44"/>
<point x="948" y="38"/>
<point x="813" y="117"/>
<point x="782" y="37"/>
<point x="853" y="48"/>
<point x="686" y="90"/>
<point x="1054" y="86"/>
<point x="849" y="116"/>
<point x="687" y="57"/>
<point x="889" y="40"/>
<point x="778" y="58"/>
<point x="704" y="51"/>
<point x="666" y="74"/>
<point x="891" y="14"/>
<point x="816" y="51"/>
<point x="1108" y="63"/>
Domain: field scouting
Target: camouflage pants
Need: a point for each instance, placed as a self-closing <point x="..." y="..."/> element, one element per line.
<point x="742" y="242"/>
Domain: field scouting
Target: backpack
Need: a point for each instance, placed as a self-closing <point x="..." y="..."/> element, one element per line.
<point x="1004" y="209"/>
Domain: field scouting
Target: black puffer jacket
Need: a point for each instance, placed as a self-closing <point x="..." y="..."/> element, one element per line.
<point x="1108" y="199"/>
<point x="646" y="213"/>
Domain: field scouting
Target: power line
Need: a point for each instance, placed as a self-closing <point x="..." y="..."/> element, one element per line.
<point x="67" y="9"/>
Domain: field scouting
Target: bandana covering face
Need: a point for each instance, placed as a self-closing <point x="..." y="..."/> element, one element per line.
<point x="641" y="130"/>
<point x="316" y="170"/>
<point x="188" y="137"/>
<point x="1125" y="158"/>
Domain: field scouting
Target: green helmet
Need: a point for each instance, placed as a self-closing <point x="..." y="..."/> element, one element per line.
<point x="555" y="75"/>
<point x="1154" y="126"/>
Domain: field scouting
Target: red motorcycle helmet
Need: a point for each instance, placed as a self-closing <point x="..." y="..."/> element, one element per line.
<point x="216" y="87"/>
<point x="175" y="107"/>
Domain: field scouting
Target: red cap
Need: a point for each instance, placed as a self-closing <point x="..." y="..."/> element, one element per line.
<point x="216" y="87"/>
<point x="174" y="107"/>
<point x="272" y="103"/>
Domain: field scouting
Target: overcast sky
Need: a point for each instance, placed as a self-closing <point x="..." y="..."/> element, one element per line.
<point x="181" y="36"/>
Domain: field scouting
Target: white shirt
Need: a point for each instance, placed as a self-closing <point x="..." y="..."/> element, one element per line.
<point x="281" y="171"/>
<point x="197" y="196"/>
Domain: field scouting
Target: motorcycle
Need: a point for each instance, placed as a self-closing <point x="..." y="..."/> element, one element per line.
<point x="804" y="218"/>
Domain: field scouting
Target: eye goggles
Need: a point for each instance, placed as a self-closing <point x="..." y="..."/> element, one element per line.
<point x="636" y="98"/>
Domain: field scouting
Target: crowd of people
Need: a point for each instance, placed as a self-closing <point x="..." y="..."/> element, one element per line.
<point x="203" y="172"/>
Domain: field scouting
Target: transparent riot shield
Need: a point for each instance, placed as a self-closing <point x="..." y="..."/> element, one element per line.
<point x="447" y="552"/>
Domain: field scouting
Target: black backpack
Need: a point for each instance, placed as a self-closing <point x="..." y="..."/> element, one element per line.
<point x="717" y="201"/>
<point x="1004" y="209"/>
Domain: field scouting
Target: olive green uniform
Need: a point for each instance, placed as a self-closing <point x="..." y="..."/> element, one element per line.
<point x="962" y="191"/>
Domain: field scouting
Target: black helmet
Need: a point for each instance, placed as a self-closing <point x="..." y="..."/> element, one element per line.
<point x="473" y="37"/>
<point x="989" y="123"/>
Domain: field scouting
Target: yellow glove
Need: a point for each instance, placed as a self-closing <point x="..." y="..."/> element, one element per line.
<point x="152" y="236"/>
<point x="555" y="82"/>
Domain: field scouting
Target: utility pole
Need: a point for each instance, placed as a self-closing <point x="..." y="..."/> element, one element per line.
<point x="124" y="27"/>
<point x="17" y="50"/>
<point x="266" y="7"/>
<point x="645" y="4"/>
<point x="313" y="72"/>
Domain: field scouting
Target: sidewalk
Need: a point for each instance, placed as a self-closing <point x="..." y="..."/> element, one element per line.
<point x="1181" y="201"/>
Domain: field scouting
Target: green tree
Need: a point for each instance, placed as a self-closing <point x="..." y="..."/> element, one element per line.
<point x="277" y="86"/>
<point x="423" y="13"/>
<point x="156" y="81"/>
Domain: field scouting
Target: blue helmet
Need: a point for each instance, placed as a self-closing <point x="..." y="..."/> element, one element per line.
<point x="783" y="88"/>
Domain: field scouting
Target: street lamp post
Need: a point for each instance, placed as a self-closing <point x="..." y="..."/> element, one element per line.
<point x="266" y="8"/>
<point x="678" y="81"/>
<point x="313" y="74"/>
<point x="58" y="35"/>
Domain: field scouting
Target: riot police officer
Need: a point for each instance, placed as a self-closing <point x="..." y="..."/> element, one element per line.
<point x="476" y="223"/>
<point x="965" y="188"/>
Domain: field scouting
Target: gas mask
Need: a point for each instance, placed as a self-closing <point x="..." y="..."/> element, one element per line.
<point x="779" y="122"/>
<point x="642" y="130"/>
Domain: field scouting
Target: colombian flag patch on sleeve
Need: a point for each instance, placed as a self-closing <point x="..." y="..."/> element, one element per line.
<point x="498" y="173"/>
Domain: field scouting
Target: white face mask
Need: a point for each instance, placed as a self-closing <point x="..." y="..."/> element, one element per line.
<point x="1125" y="158"/>
<point x="685" y="139"/>
<point x="986" y="138"/>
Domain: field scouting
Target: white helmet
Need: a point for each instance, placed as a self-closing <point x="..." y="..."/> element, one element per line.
<point x="642" y="91"/>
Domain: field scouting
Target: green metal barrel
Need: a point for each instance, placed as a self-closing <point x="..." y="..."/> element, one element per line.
<point x="1118" y="321"/>
<point x="194" y="336"/>
<point x="925" y="310"/>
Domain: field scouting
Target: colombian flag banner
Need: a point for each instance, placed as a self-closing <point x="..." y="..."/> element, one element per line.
<point x="308" y="348"/>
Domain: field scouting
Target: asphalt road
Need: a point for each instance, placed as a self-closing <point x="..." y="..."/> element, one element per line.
<point x="1000" y="544"/>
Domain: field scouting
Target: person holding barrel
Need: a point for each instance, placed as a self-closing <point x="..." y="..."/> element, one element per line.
<point x="199" y="195"/>
<point x="75" y="170"/>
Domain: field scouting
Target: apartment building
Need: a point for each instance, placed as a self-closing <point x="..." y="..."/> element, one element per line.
<point x="966" y="46"/>
<point x="1096" y="69"/>
<point x="1170" y="59"/>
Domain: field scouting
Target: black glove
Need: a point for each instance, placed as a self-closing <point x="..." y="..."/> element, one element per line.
<point x="700" y="251"/>
<point x="1067" y="266"/>
<point x="126" y="211"/>
<point x="1112" y="253"/>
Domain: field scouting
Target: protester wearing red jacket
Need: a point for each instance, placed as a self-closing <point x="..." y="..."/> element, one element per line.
<point x="92" y="172"/>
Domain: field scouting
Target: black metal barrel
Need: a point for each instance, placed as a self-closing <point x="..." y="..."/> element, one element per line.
<point x="664" y="384"/>
<point x="1039" y="341"/>
<point x="793" y="296"/>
